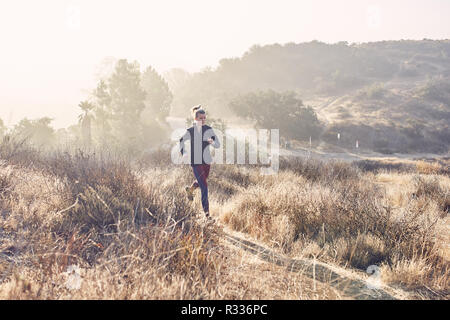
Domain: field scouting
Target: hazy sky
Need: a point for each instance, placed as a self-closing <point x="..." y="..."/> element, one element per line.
<point x="50" y="49"/>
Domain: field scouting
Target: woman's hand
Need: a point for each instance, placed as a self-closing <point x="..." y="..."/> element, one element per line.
<point x="210" y="140"/>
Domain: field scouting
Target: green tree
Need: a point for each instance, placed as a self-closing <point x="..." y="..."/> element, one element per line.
<point x="126" y="94"/>
<point x="103" y="112"/>
<point x="158" y="95"/>
<point x="272" y="110"/>
<point x="127" y="103"/>
<point x="176" y="78"/>
<point x="130" y="108"/>
<point x="157" y="107"/>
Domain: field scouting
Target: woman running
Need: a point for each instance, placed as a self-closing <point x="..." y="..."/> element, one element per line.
<point x="201" y="136"/>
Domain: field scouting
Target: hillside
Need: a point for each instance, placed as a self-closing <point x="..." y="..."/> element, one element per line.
<point x="392" y="96"/>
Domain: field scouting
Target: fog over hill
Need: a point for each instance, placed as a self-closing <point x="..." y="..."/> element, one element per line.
<point x="392" y="96"/>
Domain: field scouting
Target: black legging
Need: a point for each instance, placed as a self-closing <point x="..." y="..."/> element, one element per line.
<point x="201" y="172"/>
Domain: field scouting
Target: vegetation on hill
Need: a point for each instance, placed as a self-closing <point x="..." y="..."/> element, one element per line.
<point x="390" y="96"/>
<point x="383" y="86"/>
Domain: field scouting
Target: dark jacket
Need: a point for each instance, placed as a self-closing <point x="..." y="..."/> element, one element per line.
<point x="199" y="144"/>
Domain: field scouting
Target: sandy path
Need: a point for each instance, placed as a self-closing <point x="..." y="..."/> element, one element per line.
<point x="347" y="284"/>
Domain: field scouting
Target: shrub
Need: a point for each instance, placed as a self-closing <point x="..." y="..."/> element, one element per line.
<point x="378" y="166"/>
<point x="317" y="170"/>
<point x="374" y="91"/>
<point x="425" y="167"/>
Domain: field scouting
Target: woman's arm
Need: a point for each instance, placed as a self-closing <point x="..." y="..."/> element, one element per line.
<point x="184" y="138"/>
<point x="216" y="142"/>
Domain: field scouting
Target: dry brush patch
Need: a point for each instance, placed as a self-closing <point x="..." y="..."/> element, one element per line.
<point x="131" y="231"/>
<point x="350" y="220"/>
<point x="131" y="236"/>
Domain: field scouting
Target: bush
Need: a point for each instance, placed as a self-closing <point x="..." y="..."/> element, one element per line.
<point x="375" y="91"/>
<point x="378" y="166"/>
<point x="19" y="151"/>
<point x="436" y="90"/>
<point x="430" y="188"/>
<point x="317" y="170"/>
<point x="426" y="167"/>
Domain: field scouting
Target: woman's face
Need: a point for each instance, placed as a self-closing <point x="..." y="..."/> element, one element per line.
<point x="201" y="118"/>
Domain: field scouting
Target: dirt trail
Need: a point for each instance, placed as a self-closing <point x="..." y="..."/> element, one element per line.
<point x="345" y="155"/>
<point x="349" y="284"/>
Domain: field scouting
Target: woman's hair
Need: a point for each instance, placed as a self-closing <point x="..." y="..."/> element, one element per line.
<point x="196" y="110"/>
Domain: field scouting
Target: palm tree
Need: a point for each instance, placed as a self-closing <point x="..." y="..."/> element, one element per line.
<point x="85" y="121"/>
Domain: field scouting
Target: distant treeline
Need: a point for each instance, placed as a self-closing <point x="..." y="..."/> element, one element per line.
<point x="267" y="87"/>
<point x="126" y="112"/>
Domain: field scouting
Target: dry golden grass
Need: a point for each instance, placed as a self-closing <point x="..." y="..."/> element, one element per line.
<point x="132" y="233"/>
<point x="352" y="218"/>
<point x="425" y="167"/>
<point x="131" y="236"/>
